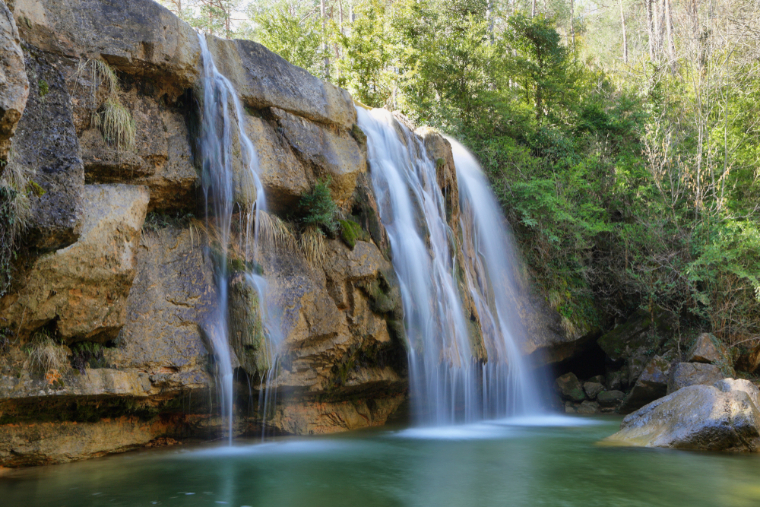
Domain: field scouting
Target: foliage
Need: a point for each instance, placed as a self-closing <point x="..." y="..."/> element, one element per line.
<point x="45" y="355"/>
<point x="16" y="190"/>
<point x="317" y="208"/>
<point x="87" y="354"/>
<point x="629" y="167"/>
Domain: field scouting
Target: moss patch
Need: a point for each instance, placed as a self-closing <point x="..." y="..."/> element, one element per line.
<point x="350" y="232"/>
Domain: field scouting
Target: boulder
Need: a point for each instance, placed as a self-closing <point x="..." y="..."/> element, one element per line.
<point x="46" y="146"/>
<point x="265" y="79"/>
<point x="15" y="85"/>
<point x="615" y="380"/>
<point x="749" y="358"/>
<point x="708" y="349"/>
<point x="588" y="407"/>
<point x="697" y="417"/>
<point x="331" y="153"/>
<point x="84" y="287"/>
<point x="570" y="387"/>
<point x="651" y="385"/>
<point x="439" y="149"/>
<point x="610" y="398"/>
<point x="689" y="374"/>
<point x="731" y="384"/>
<point x="139" y="37"/>
<point x="592" y="389"/>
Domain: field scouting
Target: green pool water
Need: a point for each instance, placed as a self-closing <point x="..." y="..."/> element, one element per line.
<point x="548" y="461"/>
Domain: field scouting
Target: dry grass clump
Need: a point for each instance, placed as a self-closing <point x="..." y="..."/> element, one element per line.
<point x="116" y="124"/>
<point x="275" y="231"/>
<point x="45" y="355"/>
<point x="109" y="115"/>
<point x="313" y="246"/>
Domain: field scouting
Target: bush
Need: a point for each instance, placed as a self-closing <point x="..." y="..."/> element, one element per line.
<point x="318" y="209"/>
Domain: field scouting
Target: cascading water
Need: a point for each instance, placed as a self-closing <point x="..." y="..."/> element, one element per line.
<point x="222" y="132"/>
<point x="491" y="262"/>
<point x="448" y="382"/>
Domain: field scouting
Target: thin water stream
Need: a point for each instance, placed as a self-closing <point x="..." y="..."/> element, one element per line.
<point x="539" y="462"/>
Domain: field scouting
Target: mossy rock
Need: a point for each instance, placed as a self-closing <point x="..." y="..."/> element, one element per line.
<point x="350" y="232"/>
<point x="246" y="328"/>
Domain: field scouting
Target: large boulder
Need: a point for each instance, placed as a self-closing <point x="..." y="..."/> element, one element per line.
<point x="84" y="287"/>
<point x="708" y="349"/>
<point x="689" y="374"/>
<point x="651" y="385"/>
<point x="570" y="388"/>
<point x="731" y="384"/>
<point x="696" y="417"/>
<point x="14" y="85"/>
<point x="45" y="145"/>
<point x="264" y="79"/>
<point x="139" y="37"/>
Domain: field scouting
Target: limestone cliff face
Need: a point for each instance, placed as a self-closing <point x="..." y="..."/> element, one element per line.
<point x="105" y="328"/>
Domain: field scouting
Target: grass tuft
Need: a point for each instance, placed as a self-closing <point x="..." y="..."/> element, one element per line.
<point x="45" y="355"/>
<point x="116" y="124"/>
<point x="275" y="231"/>
<point x="312" y="242"/>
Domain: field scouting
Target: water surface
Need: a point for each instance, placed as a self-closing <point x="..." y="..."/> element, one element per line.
<point x="527" y="462"/>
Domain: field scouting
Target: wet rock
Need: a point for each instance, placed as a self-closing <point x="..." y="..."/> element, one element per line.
<point x="84" y="287"/>
<point x="139" y="37"/>
<point x="246" y="329"/>
<point x="696" y="417"/>
<point x="570" y="387"/>
<point x="651" y="385"/>
<point x="331" y="153"/>
<point x="689" y="374"/>
<point x="592" y="389"/>
<point x="15" y="87"/>
<point x="610" y="398"/>
<point x="614" y="379"/>
<point x="439" y="149"/>
<point x="571" y="408"/>
<point x="46" y="143"/>
<point x="264" y="79"/>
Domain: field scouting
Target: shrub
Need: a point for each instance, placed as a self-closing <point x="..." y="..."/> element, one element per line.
<point x="318" y="209"/>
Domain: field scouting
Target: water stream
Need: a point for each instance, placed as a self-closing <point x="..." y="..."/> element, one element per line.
<point x="227" y="189"/>
<point x="449" y="382"/>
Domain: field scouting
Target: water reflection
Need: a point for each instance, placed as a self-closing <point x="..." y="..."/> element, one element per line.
<point x="550" y="461"/>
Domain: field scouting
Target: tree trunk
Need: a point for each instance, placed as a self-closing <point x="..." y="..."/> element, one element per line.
<point x="671" y="43"/>
<point x="650" y="31"/>
<point x="533" y="10"/>
<point x="572" y="22"/>
<point x="625" y="35"/>
<point x="323" y="12"/>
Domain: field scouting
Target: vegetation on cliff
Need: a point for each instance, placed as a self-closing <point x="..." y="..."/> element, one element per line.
<point x="623" y="147"/>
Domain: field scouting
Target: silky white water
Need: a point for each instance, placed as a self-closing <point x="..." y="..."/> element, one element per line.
<point x="448" y="382"/>
<point x="222" y="131"/>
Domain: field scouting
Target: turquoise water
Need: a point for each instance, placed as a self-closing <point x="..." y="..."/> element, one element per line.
<point x="552" y="462"/>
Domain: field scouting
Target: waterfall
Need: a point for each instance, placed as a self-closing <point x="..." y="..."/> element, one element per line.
<point x="493" y="280"/>
<point x="449" y="382"/>
<point x="231" y="184"/>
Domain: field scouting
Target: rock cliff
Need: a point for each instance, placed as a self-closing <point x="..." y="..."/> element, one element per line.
<point x="104" y="329"/>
